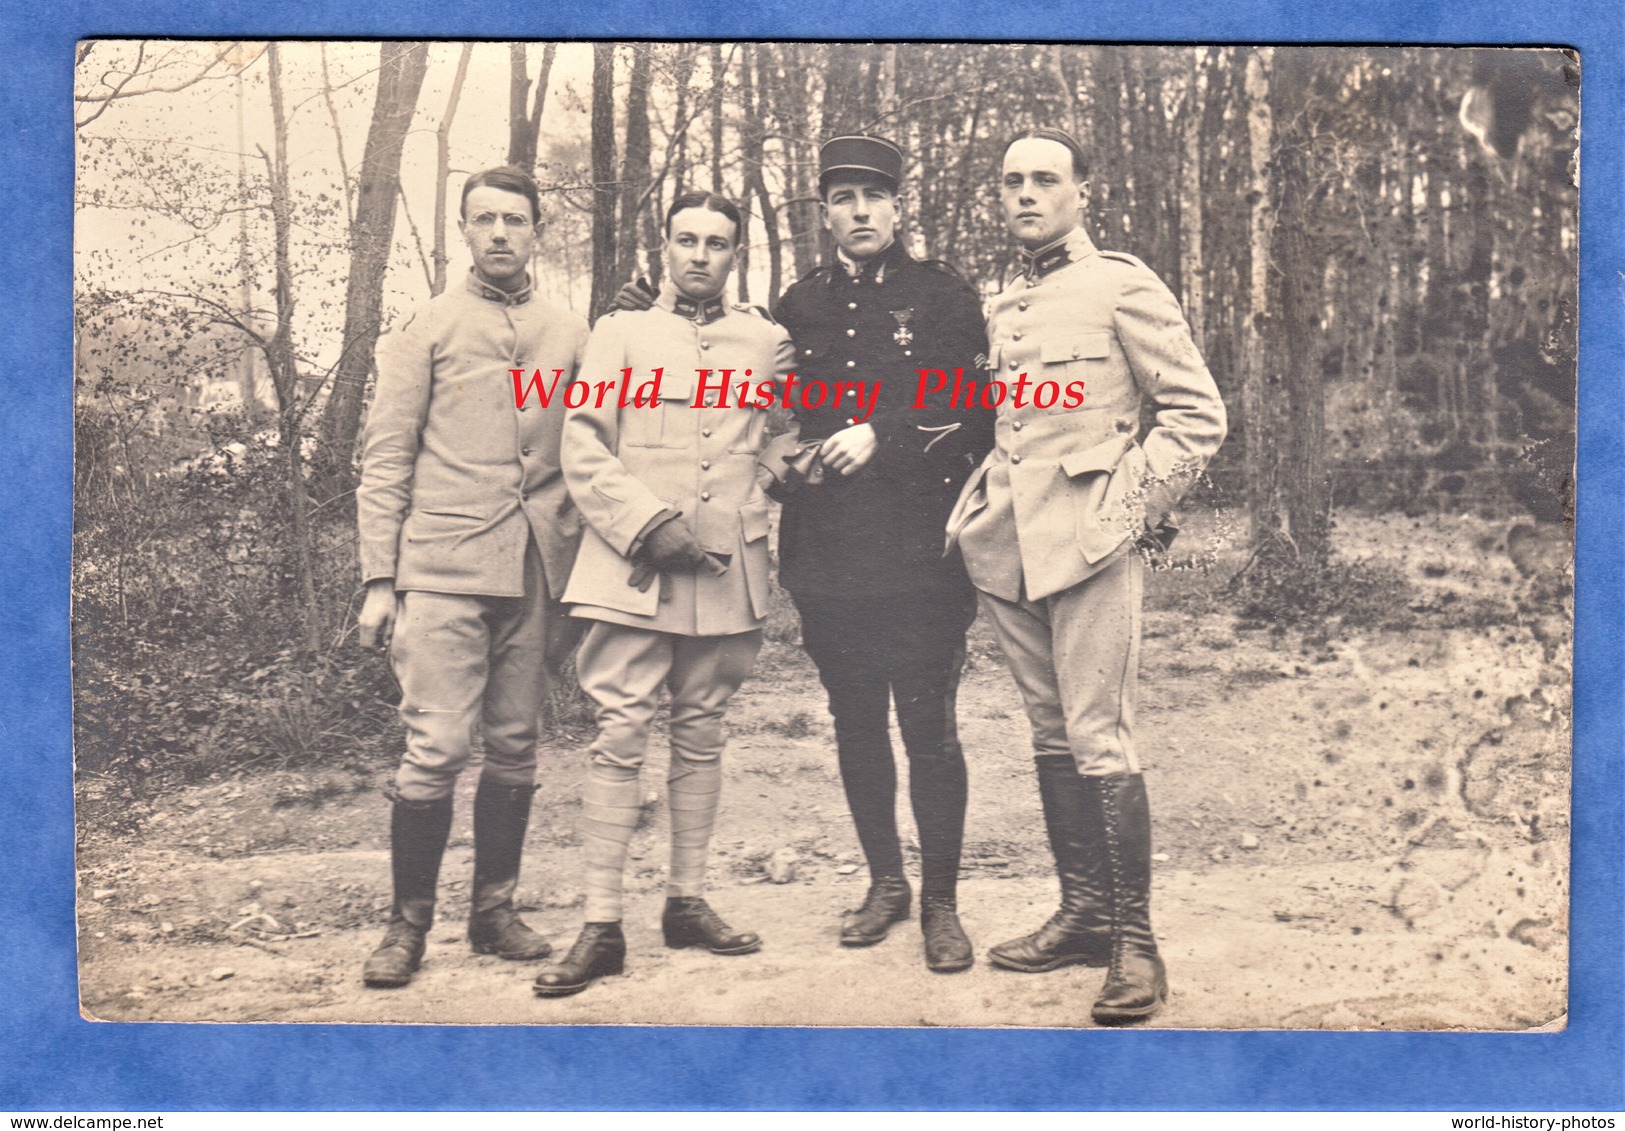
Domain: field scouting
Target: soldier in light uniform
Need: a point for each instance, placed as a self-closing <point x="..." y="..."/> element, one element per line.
<point x="672" y="576"/>
<point x="467" y="536"/>
<point x="1048" y="527"/>
<point x="883" y="612"/>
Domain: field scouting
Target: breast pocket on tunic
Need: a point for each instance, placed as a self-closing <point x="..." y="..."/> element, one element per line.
<point x="1068" y="357"/>
<point x="670" y="425"/>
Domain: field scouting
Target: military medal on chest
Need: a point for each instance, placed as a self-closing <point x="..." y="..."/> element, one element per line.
<point x="904" y="335"/>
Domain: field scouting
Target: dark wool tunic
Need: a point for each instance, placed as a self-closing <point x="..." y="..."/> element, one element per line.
<point x="880" y="532"/>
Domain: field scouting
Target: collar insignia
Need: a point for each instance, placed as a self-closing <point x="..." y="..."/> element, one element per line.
<point x="702" y="312"/>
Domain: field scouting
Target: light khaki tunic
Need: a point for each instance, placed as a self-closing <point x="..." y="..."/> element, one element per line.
<point x="624" y="466"/>
<point x="455" y="479"/>
<point x="1065" y="488"/>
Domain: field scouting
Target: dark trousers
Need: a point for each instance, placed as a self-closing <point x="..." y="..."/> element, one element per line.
<point x="872" y="653"/>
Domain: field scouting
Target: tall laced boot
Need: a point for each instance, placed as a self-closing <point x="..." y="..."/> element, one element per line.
<point x="501" y="813"/>
<point x="1120" y="824"/>
<point x="417" y="839"/>
<point x="1079" y="933"/>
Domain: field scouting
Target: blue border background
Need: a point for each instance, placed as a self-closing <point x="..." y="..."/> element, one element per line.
<point x="51" y="1059"/>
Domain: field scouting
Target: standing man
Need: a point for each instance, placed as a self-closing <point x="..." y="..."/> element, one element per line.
<point x="467" y="535"/>
<point x="1048" y="527"/>
<point x="672" y="576"/>
<point x="883" y="613"/>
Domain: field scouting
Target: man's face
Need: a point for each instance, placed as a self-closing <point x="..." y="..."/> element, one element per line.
<point x="700" y="252"/>
<point x="501" y="232"/>
<point x="1040" y="191"/>
<point x="861" y="213"/>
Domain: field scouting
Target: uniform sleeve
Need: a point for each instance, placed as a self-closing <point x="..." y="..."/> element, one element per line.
<point x="400" y="407"/>
<point x="615" y="503"/>
<point x="771" y="463"/>
<point x="1190" y="417"/>
<point x="956" y="337"/>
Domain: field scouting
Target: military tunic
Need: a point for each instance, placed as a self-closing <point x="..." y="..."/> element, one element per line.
<point x="879" y="532"/>
<point x="625" y="466"/>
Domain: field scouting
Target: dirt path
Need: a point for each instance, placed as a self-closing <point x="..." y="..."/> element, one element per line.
<point x="1367" y="833"/>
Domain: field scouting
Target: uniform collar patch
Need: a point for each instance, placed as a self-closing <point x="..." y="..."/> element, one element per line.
<point x="479" y="287"/>
<point x="697" y="311"/>
<point x="1036" y="264"/>
<point x="1070" y="248"/>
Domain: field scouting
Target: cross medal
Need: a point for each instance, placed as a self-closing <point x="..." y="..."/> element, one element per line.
<point x="904" y="335"/>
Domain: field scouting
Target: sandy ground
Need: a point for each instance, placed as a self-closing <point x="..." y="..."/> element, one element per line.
<point x="1360" y="829"/>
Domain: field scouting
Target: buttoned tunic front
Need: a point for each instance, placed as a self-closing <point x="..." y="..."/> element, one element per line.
<point x="879" y="533"/>
<point x="1066" y="489"/>
<point x="455" y="479"/>
<point x="625" y="466"/>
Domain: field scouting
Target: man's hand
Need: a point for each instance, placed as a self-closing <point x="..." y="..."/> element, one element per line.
<point x="672" y="548"/>
<point x="850" y="449"/>
<point x="377" y="619"/>
<point x="636" y="295"/>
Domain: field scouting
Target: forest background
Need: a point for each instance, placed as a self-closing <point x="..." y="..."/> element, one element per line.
<point x="1376" y="248"/>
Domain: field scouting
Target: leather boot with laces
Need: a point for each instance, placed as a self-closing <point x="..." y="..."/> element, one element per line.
<point x="417" y="840"/>
<point x="689" y="921"/>
<point x="947" y="948"/>
<point x="1079" y="933"/>
<point x="501" y="813"/>
<point x="598" y="952"/>
<point x="887" y="902"/>
<point x="1136" y="981"/>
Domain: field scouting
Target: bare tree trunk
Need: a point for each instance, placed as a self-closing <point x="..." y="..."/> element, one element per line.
<point x="284" y="370"/>
<point x="400" y="77"/>
<point x="1256" y="405"/>
<point x="635" y="167"/>
<point x="717" y="83"/>
<point x="442" y="139"/>
<point x="604" y="285"/>
<point x="524" y="129"/>
<point x="770" y="216"/>
<point x="750" y="158"/>
<point x="1190" y="197"/>
<point x="792" y="101"/>
<point x="1298" y="282"/>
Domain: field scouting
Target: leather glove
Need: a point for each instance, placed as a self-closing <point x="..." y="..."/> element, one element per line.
<point x="672" y="548"/>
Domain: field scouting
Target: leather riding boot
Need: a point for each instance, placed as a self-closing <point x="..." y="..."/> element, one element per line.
<point x="689" y="921"/>
<point x="501" y="813"/>
<point x="417" y="839"/>
<point x="1120" y="825"/>
<point x="947" y="947"/>
<point x="1079" y="933"/>
<point x="599" y="951"/>
<point x="887" y="902"/>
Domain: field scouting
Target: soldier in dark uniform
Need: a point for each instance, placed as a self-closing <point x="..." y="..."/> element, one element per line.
<point x="866" y="495"/>
<point x="883" y="613"/>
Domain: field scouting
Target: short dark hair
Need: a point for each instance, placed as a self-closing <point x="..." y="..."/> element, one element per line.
<point x="1080" y="163"/>
<point x="711" y="202"/>
<point x="508" y="178"/>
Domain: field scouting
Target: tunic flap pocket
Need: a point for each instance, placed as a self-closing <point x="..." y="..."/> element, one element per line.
<point x="677" y="387"/>
<point x="755" y="518"/>
<point x="1104" y="456"/>
<point x="1075" y="347"/>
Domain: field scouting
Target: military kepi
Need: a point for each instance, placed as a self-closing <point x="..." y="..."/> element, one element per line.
<point x="860" y="153"/>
